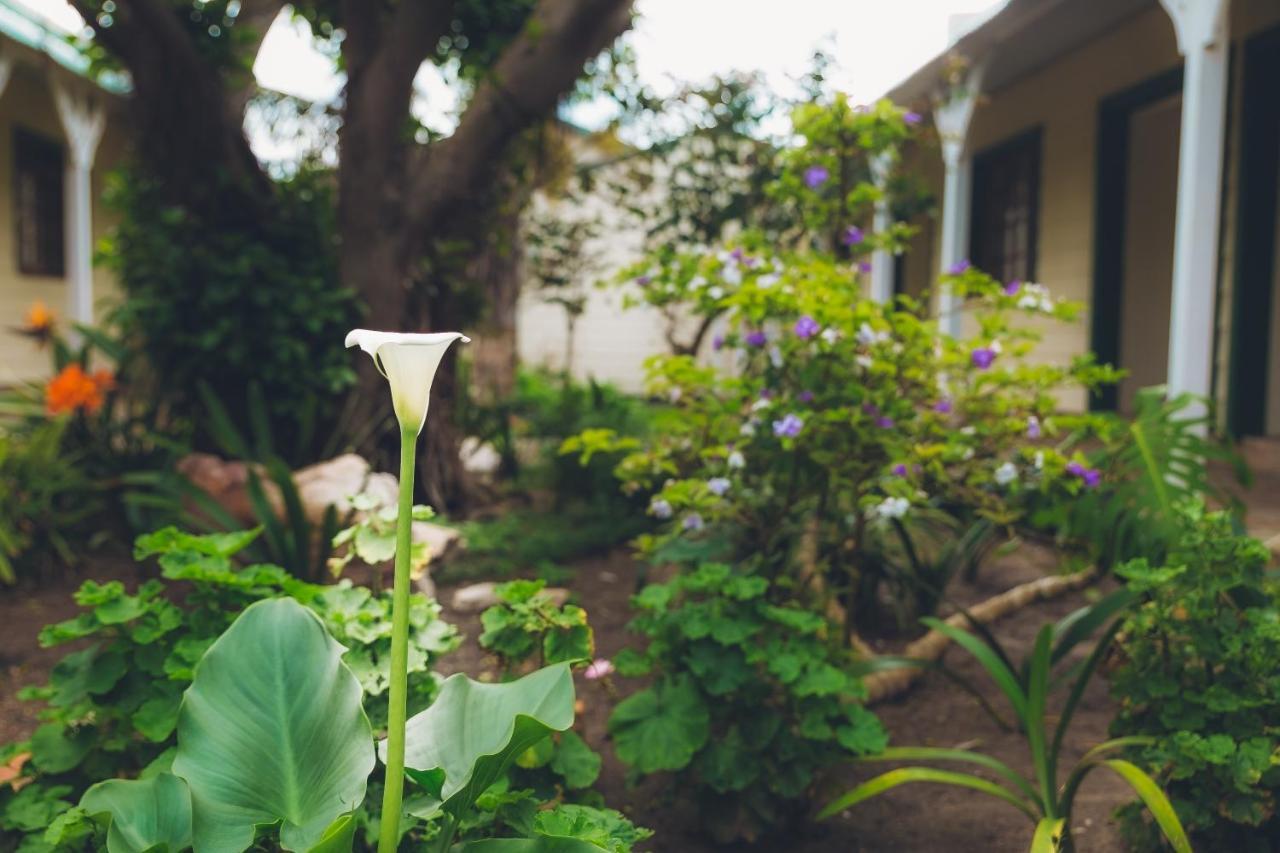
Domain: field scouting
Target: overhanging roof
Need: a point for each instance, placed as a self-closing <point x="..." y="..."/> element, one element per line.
<point x="19" y="25"/>
<point x="1024" y="36"/>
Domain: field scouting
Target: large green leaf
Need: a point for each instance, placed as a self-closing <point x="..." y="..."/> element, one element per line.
<point x="146" y="814"/>
<point x="661" y="728"/>
<point x="469" y="736"/>
<point x="272" y="730"/>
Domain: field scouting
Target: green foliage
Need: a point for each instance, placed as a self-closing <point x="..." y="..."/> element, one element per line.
<point x="528" y="540"/>
<point x="1026" y="689"/>
<point x="46" y="500"/>
<point x="750" y="698"/>
<point x="1150" y="465"/>
<point x="527" y="623"/>
<point x="197" y="307"/>
<point x="373" y="538"/>
<point x="1197" y="677"/>
<point x="114" y="703"/>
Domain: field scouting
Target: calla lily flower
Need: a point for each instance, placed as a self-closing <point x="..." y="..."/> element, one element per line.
<point x="409" y="362"/>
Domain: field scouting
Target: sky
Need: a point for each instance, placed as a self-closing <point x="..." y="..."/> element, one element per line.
<point x="876" y="43"/>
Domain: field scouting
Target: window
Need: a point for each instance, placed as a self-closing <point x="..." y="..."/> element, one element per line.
<point x="1006" y="200"/>
<point x="37" y="170"/>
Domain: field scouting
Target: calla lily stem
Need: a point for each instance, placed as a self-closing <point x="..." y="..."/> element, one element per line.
<point x="397" y="711"/>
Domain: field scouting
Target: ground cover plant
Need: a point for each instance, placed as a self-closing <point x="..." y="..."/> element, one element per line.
<point x="1195" y="677"/>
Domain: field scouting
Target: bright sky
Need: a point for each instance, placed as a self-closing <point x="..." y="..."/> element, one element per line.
<point x="875" y="42"/>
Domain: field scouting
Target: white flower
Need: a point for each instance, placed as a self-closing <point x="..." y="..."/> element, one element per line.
<point x="731" y="275"/>
<point x="995" y="347"/>
<point x="409" y="363"/>
<point x="863" y="361"/>
<point x="892" y="508"/>
<point x="719" y="486"/>
<point x="761" y="404"/>
<point x="660" y="508"/>
<point x="868" y="336"/>
<point x="715" y="292"/>
<point x="830" y="335"/>
<point x="675" y="394"/>
<point x="775" y="356"/>
<point x="736" y="460"/>
<point x="769" y="280"/>
<point x="1038" y="461"/>
<point x="748" y="429"/>
<point x="967" y="455"/>
<point x="1006" y="474"/>
<point x="697" y="282"/>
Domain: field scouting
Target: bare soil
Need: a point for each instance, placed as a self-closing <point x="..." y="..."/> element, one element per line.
<point x="912" y="819"/>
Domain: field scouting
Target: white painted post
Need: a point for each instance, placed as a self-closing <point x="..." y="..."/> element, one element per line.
<point x="83" y="120"/>
<point x="881" y="258"/>
<point x="1200" y="27"/>
<point x="952" y="119"/>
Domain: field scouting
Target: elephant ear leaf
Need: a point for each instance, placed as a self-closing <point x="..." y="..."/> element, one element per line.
<point x="460" y="745"/>
<point x="272" y="730"/>
<point x="145" y="814"/>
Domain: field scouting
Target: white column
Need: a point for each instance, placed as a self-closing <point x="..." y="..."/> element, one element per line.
<point x="1200" y="27"/>
<point x="952" y="119"/>
<point x="881" y="259"/>
<point x="83" y="120"/>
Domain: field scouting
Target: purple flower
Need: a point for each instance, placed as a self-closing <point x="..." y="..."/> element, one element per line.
<point x="1090" y="476"/>
<point x="899" y="470"/>
<point x="692" y="521"/>
<point x="600" y="668"/>
<point x="912" y="117"/>
<point x="870" y="409"/>
<point x="943" y="406"/>
<point x="1033" y="427"/>
<point x="643" y="280"/>
<point x="766" y="393"/>
<point x="885" y="422"/>
<point x="789" y="426"/>
<point x="737" y="254"/>
<point x="757" y="338"/>
<point x="717" y="343"/>
<point x="815" y="176"/>
<point x="805" y="396"/>
<point x="806" y="327"/>
<point x="960" y="267"/>
<point x="864" y="266"/>
<point x="1012" y="288"/>
<point x="719" y="486"/>
<point x="853" y="235"/>
<point x="982" y="357"/>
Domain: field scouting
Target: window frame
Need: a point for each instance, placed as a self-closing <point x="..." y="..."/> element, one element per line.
<point x="1031" y="143"/>
<point x="34" y="152"/>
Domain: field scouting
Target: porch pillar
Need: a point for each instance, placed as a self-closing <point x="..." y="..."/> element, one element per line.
<point x="1201" y="32"/>
<point x="952" y="119"/>
<point x="83" y="120"/>
<point x="881" y="258"/>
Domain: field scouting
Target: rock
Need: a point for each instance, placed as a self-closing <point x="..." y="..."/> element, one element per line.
<point x="481" y="596"/>
<point x="443" y="542"/>
<point x="480" y="457"/>
<point x="227" y="482"/>
<point x="335" y="483"/>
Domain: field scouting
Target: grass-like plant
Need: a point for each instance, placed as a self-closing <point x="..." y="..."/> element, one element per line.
<point x="1045" y="798"/>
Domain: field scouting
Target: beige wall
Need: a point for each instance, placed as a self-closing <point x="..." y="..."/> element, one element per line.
<point x="27" y="102"/>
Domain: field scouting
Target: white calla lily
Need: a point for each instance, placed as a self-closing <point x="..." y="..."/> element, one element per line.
<point x="409" y="362"/>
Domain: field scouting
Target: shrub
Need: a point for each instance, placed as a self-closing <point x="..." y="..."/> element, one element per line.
<point x="208" y="303"/>
<point x="113" y="704"/>
<point x="1197" y="673"/>
<point x="750" y="699"/>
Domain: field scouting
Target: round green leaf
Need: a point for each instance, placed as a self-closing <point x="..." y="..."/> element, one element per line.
<point x="661" y="728"/>
<point x="145" y="813"/>
<point x="272" y="729"/>
<point x="473" y="731"/>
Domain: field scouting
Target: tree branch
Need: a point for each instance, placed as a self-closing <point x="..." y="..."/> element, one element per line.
<point x="524" y="86"/>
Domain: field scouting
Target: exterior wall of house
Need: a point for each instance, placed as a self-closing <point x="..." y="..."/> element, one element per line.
<point x="27" y="102"/>
<point x="1062" y="99"/>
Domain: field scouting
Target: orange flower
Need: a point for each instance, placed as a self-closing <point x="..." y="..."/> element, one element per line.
<point x="72" y="389"/>
<point x="104" y="379"/>
<point x="38" y="323"/>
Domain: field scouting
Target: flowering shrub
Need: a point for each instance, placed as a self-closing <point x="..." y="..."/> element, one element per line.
<point x="1197" y="675"/>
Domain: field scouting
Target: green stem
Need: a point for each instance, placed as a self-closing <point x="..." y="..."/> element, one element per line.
<point x="397" y="703"/>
